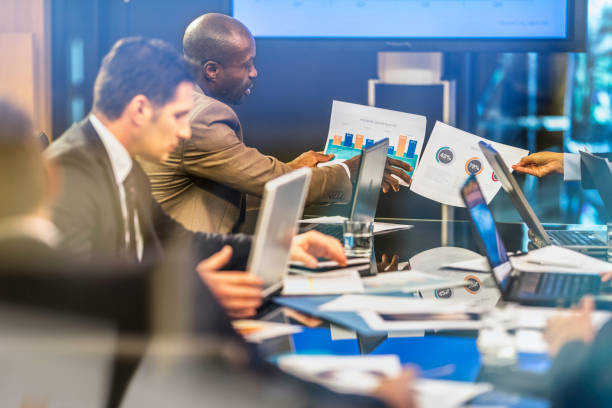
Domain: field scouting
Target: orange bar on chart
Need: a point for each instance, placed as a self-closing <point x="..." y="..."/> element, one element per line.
<point x="337" y="140"/>
<point x="358" y="141"/>
<point x="401" y="146"/>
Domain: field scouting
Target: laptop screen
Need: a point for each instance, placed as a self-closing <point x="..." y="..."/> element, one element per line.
<point x="369" y="180"/>
<point x="487" y="234"/>
<point x="511" y="186"/>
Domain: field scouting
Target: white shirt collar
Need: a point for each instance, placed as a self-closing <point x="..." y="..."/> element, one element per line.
<point x="30" y="226"/>
<point x="120" y="159"/>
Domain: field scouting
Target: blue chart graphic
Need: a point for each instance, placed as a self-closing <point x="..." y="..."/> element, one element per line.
<point x="351" y="146"/>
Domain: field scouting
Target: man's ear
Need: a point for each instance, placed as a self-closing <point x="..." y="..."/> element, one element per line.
<point x="211" y="70"/>
<point x="139" y="110"/>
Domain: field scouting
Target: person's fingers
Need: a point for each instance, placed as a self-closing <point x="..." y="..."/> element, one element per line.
<point x="393" y="264"/>
<point x="322" y="157"/>
<point x="587" y="305"/>
<point x="385" y="186"/>
<point x="399" y="163"/>
<point x="234" y="278"/>
<point x="217" y="260"/>
<point x="315" y="244"/>
<point x="240" y="293"/>
<point x="241" y="313"/>
<point x="239" y="304"/>
<point x="606" y="277"/>
<point x="399" y="173"/>
<point x="392" y="182"/>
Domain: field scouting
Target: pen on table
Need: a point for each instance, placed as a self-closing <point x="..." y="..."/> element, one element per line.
<point x="554" y="263"/>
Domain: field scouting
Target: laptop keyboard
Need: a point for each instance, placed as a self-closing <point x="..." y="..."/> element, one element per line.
<point x="335" y="230"/>
<point x="569" y="237"/>
<point x="565" y="285"/>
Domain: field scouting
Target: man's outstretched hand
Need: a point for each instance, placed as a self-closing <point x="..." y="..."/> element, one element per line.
<point x="392" y="167"/>
<point x="540" y="164"/>
<point x="310" y="159"/>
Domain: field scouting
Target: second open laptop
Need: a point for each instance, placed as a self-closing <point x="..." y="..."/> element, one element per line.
<point x="282" y="206"/>
<point x="584" y="241"/>
<point x="536" y="289"/>
<point x="367" y="187"/>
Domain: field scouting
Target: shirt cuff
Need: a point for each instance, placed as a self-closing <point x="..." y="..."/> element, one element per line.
<point x="348" y="172"/>
<point x="571" y="167"/>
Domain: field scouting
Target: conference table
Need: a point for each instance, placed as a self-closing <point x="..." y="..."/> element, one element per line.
<point x="440" y="355"/>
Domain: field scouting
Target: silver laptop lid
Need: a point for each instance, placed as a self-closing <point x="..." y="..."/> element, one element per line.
<point x="369" y="180"/>
<point x="511" y="186"/>
<point x="283" y="204"/>
<point x="486" y="233"/>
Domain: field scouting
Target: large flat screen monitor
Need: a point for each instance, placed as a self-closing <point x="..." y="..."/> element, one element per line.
<point x="477" y="25"/>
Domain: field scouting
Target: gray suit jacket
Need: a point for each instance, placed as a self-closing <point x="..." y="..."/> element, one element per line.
<point x="88" y="212"/>
<point x="204" y="182"/>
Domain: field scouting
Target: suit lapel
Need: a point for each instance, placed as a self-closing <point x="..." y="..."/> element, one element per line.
<point x="102" y="159"/>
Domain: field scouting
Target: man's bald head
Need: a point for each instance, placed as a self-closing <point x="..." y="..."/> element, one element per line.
<point x="215" y="37"/>
<point x="221" y="51"/>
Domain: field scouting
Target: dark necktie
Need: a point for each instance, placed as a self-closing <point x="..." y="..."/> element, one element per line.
<point x="130" y="201"/>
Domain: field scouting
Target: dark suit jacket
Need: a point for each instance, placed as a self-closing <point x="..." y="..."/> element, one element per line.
<point x="585" y="176"/>
<point x="88" y="212"/>
<point x="582" y="374"/>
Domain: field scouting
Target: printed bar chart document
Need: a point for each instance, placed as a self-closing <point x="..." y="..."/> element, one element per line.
<point x="353" y="127"/>
<point x="450" y="157"/>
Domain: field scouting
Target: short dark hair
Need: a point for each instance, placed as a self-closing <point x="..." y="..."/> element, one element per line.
<point x="138" y="66"/>
<point x="23" y="179"/>
<point x="212" y="37"/>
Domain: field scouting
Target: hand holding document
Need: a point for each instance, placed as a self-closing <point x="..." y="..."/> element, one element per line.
<point x="451" y="155"/>
<point x="353" y="127"/>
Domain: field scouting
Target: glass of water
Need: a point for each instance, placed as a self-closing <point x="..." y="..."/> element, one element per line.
<point x="358" y="237"/>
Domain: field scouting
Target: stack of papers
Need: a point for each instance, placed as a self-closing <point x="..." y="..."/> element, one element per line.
<point x="379" y="227"/>
<point x="324" y="283"/>
<point x="363" y="374"/>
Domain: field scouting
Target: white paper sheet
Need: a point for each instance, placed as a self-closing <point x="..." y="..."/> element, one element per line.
<point x="450" y="156"/>
<point x="559" y="259"/>
<point x="447" y="394"/>
<point x="408" y="281"/>
<point x="352" y="127"/>
<point x="376" y="322"/>
<point x="392" y="304"/>
<point x="475" y="265"/>
<point x="536" y="317"/>
<point x="324" y="283"/>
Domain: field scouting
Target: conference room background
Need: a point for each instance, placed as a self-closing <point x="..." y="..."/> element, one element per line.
<point x="554" y="101"/>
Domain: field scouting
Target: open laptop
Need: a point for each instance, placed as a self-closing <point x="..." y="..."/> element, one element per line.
<point x="366" y="190"/>
<point x="584" y="241"/>
<point x="599" y="171"/>
<point x="536" y="289"/>
<point x="283" y="204"/>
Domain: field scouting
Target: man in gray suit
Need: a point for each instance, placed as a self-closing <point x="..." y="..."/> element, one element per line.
<point x="204" y="183"/>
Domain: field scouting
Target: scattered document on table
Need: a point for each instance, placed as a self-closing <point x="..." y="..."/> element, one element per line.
<point x="451" y="155"/>
<point x="324" y="283"/>
<point x="418" y="320"/>
<point x="559" y="259"/>
<point x="525" y="317"/>
<point x="393" y="304"/>
<point x="408" y="281"/>
<point x="256" y="331"/>
<point x="348" y="374"/>
<point x="353" y="127"/>
<point x="479" y="264"/>
<point x="447" y="394"/>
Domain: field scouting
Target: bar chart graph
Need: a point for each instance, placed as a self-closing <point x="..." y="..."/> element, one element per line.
<point x="351" y="144"/>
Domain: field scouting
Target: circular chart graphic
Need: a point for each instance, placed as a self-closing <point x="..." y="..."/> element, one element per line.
<point x="494" y="177"/>
<point x="473" y="285"/>
<point x="473" y="166"/>
<point x="445" y="155"/>
<point x="444" y="293"/>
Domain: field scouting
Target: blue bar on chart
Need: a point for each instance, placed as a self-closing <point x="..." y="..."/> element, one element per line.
<point x="369" y="142"/>
<point x="348" y="140"/>
<point x="411" y="148"/>
<point x="391" y="151"/>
